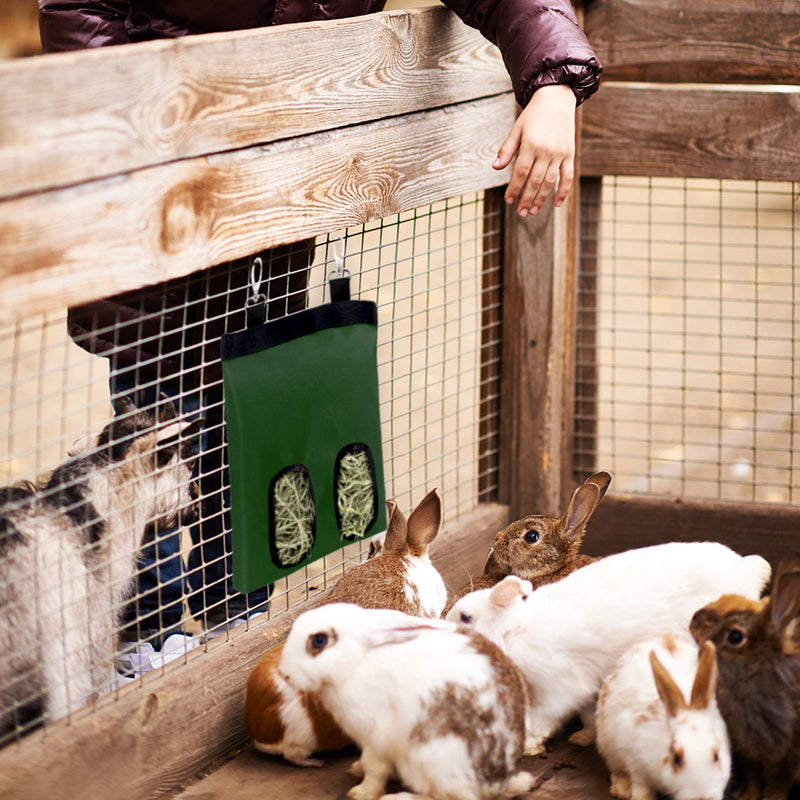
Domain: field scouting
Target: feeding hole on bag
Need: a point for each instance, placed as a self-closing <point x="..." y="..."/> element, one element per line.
<point x="293" y="515"/>
<point x="356" y="491"/>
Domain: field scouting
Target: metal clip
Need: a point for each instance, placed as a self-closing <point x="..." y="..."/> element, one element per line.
<point x="256" y="277"/>
<point x="255" y="306"/>
<point x="338" y="256"/>
<point x="339" y="278"/>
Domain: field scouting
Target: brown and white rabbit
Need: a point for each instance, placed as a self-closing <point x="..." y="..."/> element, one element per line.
<point x="438" y="706"/>
<point x="282" y="721"/>
<point x="658" y="725"/>
<point x="540" y="548"/>
<point x="758" y="650"/>
<point x="402" y="577"/>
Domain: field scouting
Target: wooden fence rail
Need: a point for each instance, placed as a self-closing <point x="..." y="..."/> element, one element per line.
<point x="713" y="41"/>
<point x="191" y="152"/>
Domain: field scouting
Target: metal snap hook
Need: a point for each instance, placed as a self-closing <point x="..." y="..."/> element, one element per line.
<point x="256" y="279"/>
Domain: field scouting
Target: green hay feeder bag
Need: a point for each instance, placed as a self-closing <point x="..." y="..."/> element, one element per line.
<point x="304" y="435"/>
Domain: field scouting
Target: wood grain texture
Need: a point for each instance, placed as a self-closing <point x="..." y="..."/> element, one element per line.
<point x="173" y="99"/>
<point x="715" y="41"/>
<point x="622" y="522"/>
<point x="80" y="243"/>
<point x="691" y="132"/>
<point x="157" y="734"/>
<point x="530" y="418"/>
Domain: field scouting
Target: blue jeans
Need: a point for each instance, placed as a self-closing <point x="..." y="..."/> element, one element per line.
<point x="162" y="581"/>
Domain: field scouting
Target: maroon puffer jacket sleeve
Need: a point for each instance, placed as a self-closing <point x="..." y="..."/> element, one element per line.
<point x="540" y="40"/>
<point x="74" y="25"/>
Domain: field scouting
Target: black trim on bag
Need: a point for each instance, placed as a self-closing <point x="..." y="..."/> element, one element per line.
<point x="285" y="329"/>
<point x="273" y="548"/>
<point x="356" y="447"/>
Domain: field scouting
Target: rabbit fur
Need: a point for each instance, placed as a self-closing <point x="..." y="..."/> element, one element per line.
<point x="540" y="548"/>
<point x="439" y="707"/>
<point x="68" y="555"/>
<point x="398" y="574"/>
<point x="568" y="636"/>
<point x="758" y="647"/>
<point x="658" y="725"/>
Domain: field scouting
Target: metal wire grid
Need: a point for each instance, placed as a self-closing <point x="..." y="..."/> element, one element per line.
<point x="437" y="367"/>
<point x="688" y="330"/>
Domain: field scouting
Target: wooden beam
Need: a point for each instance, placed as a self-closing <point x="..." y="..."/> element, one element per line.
<point x="69" y="117"/>
<point x="689" y="132"/>
<point x="716" y="41"/>
<point x="157" y="734"/>
<point x="536" y="416"/>
<point x="622" y="522"/>
<point x="72" y="245"/>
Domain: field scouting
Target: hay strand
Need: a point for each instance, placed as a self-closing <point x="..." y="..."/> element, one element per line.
<point x="295" y="516"/>
<point x="355" y="494"/>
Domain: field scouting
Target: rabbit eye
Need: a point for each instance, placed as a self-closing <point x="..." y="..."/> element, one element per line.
<point x="735" y="637"/>
<point x="466" y="618"/>
<point x="531" y="537"/>
<point x="677" y="758"/>
<point x="317" y="642"/>
<point x="716" y="756"/>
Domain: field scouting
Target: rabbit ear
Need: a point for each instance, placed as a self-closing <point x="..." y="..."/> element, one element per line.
<point x="668" y="690"/>
<point x="403" y="632"/>
<point x="784" y="604"/>
<point x="581" y="507"/>
<point x="424" y="523"/>
<point x="125" y="405"/>
<point x="492" y="564"/>
<point x="704" y="688"/>
<point x="601" y="480"/>
<point x="396" y="530"/>
<point x="785" y="597"/>
<point x="508" y="590"/>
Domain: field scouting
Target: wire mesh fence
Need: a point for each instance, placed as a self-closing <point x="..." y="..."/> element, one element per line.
<point x="688" y="337"/>
<point x="66" y="375"/>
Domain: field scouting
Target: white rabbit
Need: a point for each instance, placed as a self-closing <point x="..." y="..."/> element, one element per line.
<point x="567" y="637"/>
<point x="651" y="738"/>
<point x="398" y="574"/>
<point x="440" y="707"/>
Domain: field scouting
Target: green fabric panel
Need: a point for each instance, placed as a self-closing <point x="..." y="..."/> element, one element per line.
<point x="298" y="403"/>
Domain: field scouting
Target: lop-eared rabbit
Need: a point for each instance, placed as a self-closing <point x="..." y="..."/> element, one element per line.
<point x="68" y="555"/>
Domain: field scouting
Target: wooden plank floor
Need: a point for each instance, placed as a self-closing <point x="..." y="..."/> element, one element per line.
<point x="566" y="772"/>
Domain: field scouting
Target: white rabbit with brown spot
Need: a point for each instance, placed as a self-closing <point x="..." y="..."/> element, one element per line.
<point x="283" y="721"/>
<point x="567" y="637"/>
<point x="439" y="707"/>
<point x="658" y="725"/>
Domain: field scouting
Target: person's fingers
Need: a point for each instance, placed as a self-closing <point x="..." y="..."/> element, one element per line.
<point x="522" y="167"/>
<point x="535" y="176"/>
<point x="566" y="177"/>
<point x="544" y="188"/>
<point x="508" y="148"/>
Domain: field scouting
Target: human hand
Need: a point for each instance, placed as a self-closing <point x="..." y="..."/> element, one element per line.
<point x="543" y="137"/>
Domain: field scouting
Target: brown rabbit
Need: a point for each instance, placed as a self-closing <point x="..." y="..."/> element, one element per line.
<point x="758" y="651"/>
<point x="402" y="577"/>
<point x="398" y="574"/>
<point x="539" y="548"/>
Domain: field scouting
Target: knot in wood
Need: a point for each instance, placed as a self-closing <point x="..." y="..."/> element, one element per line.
<point x="183" y="212"/>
